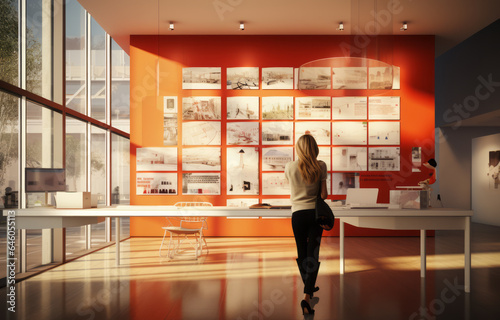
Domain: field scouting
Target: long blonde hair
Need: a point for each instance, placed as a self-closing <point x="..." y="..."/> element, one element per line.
<point x="307" y="150"/>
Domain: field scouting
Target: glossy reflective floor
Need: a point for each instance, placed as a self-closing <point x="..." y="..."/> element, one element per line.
<point x="256" y="278"/>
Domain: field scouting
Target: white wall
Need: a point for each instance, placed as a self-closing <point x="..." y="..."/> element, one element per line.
<point x="485" y="198"/>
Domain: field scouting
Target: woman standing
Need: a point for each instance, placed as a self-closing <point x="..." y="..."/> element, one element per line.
<point x="307" y="178"/>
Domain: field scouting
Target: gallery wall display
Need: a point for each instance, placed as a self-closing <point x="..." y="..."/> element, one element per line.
<point x="260" y="131"/>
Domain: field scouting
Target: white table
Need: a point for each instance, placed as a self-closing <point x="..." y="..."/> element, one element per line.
<point x="394" y="219"/>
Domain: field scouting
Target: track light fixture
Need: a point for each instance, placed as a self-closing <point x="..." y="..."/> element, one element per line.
<point x="404" y="27"/>
<point x="171" y="27"/>
<point x="341" y="26"/>
<point x="242" y="26"/>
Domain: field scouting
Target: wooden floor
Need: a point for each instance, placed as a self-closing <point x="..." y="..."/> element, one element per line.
<point x="257" y="278"/>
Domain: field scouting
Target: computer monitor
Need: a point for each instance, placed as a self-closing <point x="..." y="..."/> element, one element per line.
<point x="45" y="180"/>
<point x="361" y="196"/>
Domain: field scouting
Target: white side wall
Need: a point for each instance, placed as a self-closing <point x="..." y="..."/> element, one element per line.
<point x="485" y="198"/>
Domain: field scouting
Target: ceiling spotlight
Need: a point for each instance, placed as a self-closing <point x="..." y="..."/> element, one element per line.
<point x="171" y="27"/>
<point x="404" y="27"/>
<point x="242" y="26"/>
<point x="341" y="26"/>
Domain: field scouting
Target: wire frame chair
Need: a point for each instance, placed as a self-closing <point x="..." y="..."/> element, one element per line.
<point x="185" y="234"/>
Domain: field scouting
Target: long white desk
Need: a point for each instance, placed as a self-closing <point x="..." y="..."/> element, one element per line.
<point x="393" y="219"/>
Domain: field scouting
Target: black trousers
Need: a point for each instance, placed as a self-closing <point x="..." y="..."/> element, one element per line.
<point x="307" y="235"/>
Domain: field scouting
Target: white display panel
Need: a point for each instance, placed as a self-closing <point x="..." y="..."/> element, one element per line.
<point x="201" y="78"/>
<point x="384" y="159"/>
<point x="201" y="159"/>
<point x="170" y="132"/>
<point x="384" y="108"/>
<point x="324" y="155"/>
<point x="241" y="202"/>
<point x="383" y="133"/>
<point x="349" y="108"/>
<point x="156" y="159"/>
<point x="201" y="183"/>
<point x="320" y="130"/>
<point x="242" y="171"/>
<point x="349" y="132"/>
<point x="280" y="108"/>
<point x="201" y="133"/>
<point x="349" y="158"/>
<point x="277" y="78"/>
<point x="243" y="108"/>
<point x="277" y="133"/>
<point x="242" y="133"/>
<point x="201" y="108"/>
<point x="312" y="108"/>
<point x="242" y="78"/>
<point x="149" y="183"/>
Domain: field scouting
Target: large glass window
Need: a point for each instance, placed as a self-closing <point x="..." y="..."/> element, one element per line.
<point x="43" y="144"/>
<point x="98" y="71"/>
<point x="120" y="88"/>
<point x="9" y="166"/>
<point x="120" y="177"/>
<point x="9" y="42"/>
<point x="76" y="155"/>
<point x="75" y="56"/>
<point x="39" y="47"/>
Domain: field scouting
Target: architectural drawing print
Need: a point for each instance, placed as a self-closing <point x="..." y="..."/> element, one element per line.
<point x="311" y="108"/>
<point x="280" y="108"/>
<point x="315" y="78"/>
<point x="277" y="78"/>
<point x="201" y="78"/>
<point x="349" y="78"/>
<point x="243" y="78"/>
<point x="349" y="132"/>
<point x="201" y="108"/>
<point x="383" y="133"/>
<point x="275" y="159"/>
<point x="201" y="183"/>
<point x="384" y="159"/>
<point x="349" y="159"/>
<point x="275" y="183"/>
<point x="242" y="108"/>
<point x="156" y="159"/>
<point x="349" y="108"/>
<point x="201" y="159"/>
<point x="242" y="133"/>
<point x="242" y="170"/>
<point x="320" y="130"/>
<point x="202" y="133"/>
<point x="148" y="183"/>
<point x="277" y="133"/>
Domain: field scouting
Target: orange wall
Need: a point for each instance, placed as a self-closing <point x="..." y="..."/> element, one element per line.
<point x="156" y="71"/>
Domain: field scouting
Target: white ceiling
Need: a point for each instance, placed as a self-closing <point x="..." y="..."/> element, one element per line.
<point x="451" y="21"/>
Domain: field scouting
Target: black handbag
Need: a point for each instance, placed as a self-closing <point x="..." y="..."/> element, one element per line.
<point x="324" y="214"/>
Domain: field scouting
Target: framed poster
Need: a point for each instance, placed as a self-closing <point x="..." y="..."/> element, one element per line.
<point x="243" y="78"/>
<point x="280" y="108"/>
<point x="349" y="108"/>
<point x="277" y="78"/>
<point x="242" y="171"/>
<point x="201" y="183"/>
<point x="201" y="133"/>
<point x="310" y="108"/>
<point x="242" y="133"/>
<point x="349" y="132"/>
<point x="156" y="159"/>
<point x="201" y="78"/>
<point x="242" y="108"/>
<point x="201" y="159"/>
<point x="201" y="108"/>
<point x="149" y="183"/>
